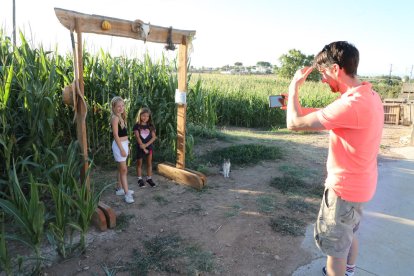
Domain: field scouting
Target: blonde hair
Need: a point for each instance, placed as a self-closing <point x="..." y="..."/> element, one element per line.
<point x="122" y="119"/>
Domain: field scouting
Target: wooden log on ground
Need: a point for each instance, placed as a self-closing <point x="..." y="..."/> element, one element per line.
<point x="99" y="220"/>
<point x="182" y="176"/>
<point x="109" y="214"/>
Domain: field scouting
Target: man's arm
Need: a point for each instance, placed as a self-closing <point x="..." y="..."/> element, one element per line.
<point x="298" y="118"/>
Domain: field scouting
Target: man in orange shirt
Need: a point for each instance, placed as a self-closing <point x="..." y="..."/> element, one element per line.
<point x="355" y="121"/>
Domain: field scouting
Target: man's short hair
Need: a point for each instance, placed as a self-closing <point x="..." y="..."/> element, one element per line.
<point x="342" y="53"/>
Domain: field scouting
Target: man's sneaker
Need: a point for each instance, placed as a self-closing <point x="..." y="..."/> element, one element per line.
<point x="129" y="198"/>
<point x="346" y="273"/>
<point x="152" y="184"/>
<point x="120" y="192"/>
<point x="141" y="183"/>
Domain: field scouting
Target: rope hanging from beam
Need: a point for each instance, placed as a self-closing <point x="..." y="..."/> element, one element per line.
<point x="76" y="91"/>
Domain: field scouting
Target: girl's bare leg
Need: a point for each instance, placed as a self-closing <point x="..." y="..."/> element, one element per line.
<point x="123" y="170"/>
<point x="139" y="167"/>
<point x="118" y="185"/>
<point x="149" y="165"/>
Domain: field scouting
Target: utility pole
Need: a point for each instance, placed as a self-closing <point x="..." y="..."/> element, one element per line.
<point x="389" y="77"/>
<point x="411" y="74"/>
<point x="14" y="23"/>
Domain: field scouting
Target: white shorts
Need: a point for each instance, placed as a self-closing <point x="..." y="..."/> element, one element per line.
<point x="117" y="152"/>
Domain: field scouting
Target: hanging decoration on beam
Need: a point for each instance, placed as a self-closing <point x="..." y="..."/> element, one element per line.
<point x="142" y="29"/>
<point x="170" y="45"/>
<point x="190" y="48"/>
<point x="106" y="26"/>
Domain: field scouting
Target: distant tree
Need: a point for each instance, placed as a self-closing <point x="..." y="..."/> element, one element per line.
<point x="238" y="64"/>
<point x="263" y="64"/>
<point x="294" y="60"/>
<point x="405" y="78"/>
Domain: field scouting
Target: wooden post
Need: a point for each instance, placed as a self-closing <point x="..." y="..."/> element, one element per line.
<point x="182" y="108"/>
<point x="179" y="173"/>
<point x="81" y="112"/>
<point x="412" y="122"/>
<point x="412" y="134"/>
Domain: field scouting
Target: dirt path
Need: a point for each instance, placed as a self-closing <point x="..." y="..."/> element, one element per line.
<point x="228" y="220"/>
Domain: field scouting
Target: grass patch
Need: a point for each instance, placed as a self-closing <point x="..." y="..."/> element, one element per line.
<point x="283" y="130"/>
<point x="280" y="129"/>
<point x="203" y="169"/>
<point x="195" y="209"/>
<point x="300" y="172"/>
<point x="234" y="211"/>
<point x="111" y="271"/>
<point x="288" y="226"/>
<point x="122" y="221"/>
<point x="288" y="184"/>
<point x="160" y="199"/>
<point x="308" y="132"/>
<point x="299" y="205"/>
<point x="291" y="184"/>
<point x="266" y="204"/>
<point x="206" y="133"/>
<point x="315" y="190"/>
<point x="243" y="154"/>
<point x="171" y="254"/>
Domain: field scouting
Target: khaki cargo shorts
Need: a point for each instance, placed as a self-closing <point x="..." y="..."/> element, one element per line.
<point x="337" y="222"/>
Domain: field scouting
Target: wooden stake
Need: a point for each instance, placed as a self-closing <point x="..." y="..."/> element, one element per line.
<point x="182" y="108"/>
<point x="81" y="112"/>
<point x="412" y="134"/>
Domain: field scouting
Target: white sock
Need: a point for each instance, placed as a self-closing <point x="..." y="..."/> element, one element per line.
<point x="350" y="269"/>
<point x="148" y="177"/>
<point x="139" y="177"/>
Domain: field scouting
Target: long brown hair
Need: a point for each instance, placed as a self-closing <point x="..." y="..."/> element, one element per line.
<point x="141" y="111"/>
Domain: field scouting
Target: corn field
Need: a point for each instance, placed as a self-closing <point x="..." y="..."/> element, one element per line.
<point x="243" y="100"/>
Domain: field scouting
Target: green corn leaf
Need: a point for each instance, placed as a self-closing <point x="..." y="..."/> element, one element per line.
<point x="7" y="88"/>
<point x="75" y="226"/>
<point x="10" y="209"/>
<point x="19" y="238"/>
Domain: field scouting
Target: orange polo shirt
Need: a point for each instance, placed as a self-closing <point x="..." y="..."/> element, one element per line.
<point x="355" y="121"/>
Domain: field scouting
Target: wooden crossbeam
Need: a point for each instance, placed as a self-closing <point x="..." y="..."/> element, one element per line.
<point x="91" y="23"/>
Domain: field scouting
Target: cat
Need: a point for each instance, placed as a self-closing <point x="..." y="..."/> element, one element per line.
<point x="226" y="167"/>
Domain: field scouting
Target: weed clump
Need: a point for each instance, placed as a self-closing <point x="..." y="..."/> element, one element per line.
<point x="243" y="154"/>
<point x="288" y="226"/>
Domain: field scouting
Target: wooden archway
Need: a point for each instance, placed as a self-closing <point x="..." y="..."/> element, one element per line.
<point x="84" y="23"/>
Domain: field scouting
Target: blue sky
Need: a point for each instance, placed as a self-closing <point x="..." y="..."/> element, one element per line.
<point x="239" y="30"/>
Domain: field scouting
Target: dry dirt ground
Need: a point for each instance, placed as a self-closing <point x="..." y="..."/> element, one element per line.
<point x="227" y="219"/>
